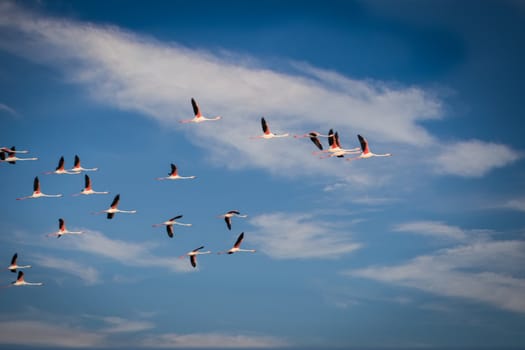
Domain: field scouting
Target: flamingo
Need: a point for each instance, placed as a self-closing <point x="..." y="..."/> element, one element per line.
<point x="12" y="150"/>
<point x="228" y="217"/>
<point x="236" y="247"/>
<point x="113" y="209"/>
<point x="174" y="175"/>
<point x="199" y="118"/>
<point x="21" y="282"/>
<point x="169" y="224"/>
<point x="15" y="266"/>
<point x="193" y="255"/>
<point x="11" y="155"/>
<point x="314" y="137"/>
<point x="77" y="168"/>
<point x="267" y="134"/>
<point x="62" y="230"/>
<point x="365" y="150"/>
<point x="60" y="168"/>
<point x="88" y="189"/>
<point x="37" y="193"/>
<point x="335" y="149"/>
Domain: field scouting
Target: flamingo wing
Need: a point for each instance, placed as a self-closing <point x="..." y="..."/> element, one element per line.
<point x="36" y="184"/>
<point x="197" y="249"/>
<point x="60" y="164"/>
<point x="169" y="230"/>
<point x="110" y="216"/>
<point x="114" y="204"/>
<point x="228" y="222"/>
<point x="315" y="140"/>
<point x="331" y="138"/>
<point x="77" y="161"/>
<point x="196" y="109"/>
<point x="173" y="170"/>
<point x="239" y="240"/>
<point x="175" y="218"/>
<point x="364" y="144"/>
<point x="236" y="212"/>
<point x="87" y="182"/>
<point x="264" y="125"/>
<point x="193" y="260"/>
<point x="13" y="259"/>
<point x="20" y="277"/>
<point x="61" y="224"/>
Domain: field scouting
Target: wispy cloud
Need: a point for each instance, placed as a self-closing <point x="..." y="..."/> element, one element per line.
<point x="212" y="340"/>
<point x="481" y="271"/>
<point x="139" y="73"/>
<point x="292" y="236"/>
<point x="474" y="158"/>
<point x="39" y="333"/>
<point x="88" y="274"/>
<point x="138" y="254"/>
<point x="432" y="228"/>
<point x="515" y="204"/>
<point x="7" y="110"/>
<point x="121" y="325"/>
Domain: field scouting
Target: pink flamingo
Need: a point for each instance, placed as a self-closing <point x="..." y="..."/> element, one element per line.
<point x="11" y="155"/>
<point x="267" y="134"/>
<point x="62" y="230"/>
<point x="199" y="118"/>
<point x="365" y="150"/>
<point x="237" y="246"/>
<point x="193" y="255"/>
<point x="13" y="266"/>
<point x="169" y="224"/>
<point x="37" y="193"/>
<point x="88" y="190"/>
<point x="174" y="175"/>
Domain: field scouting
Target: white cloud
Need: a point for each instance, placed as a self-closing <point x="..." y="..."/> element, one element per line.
<point x="432" y="228"/>
<point x="474" y="158"/>
<point x="39" y="333"/>
<point x="138" y="73"/>
<point x="515" y="204"/>
<point x="6" y="109"/>
<point x="292" y="236"/>
<point x="121" y="325"/>
<point x="87" y="273"/>
<point x="212" y="340"/>
<point x="480" y="272"/>
<point x="127" y="253"/>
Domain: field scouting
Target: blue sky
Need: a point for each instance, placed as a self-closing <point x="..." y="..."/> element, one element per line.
<point x="422" y="249"/>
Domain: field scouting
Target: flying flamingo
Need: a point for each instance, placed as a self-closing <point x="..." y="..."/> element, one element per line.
<point x="267" y="134"/>
<point x="15" y="266"/>
<point x="11" y="155"/>
<point x="193" y="255"/>
<point x="60" y="168"/>
<point x="174" y="175"/>
<point x="88" y="189"/>
<point x="335" y="149"/>
<point x="37" y="193"/>
<point x="314" y="137"/>
<point x="236" y="247"/>
<point x="169" y="224"/>
<point x="228" y="217"/>
<point x="199" y="118"/>
<point x="62" y="230"/>
<point x="21" y="282"/>
<point x="365" y="150"/>
<point x="77" y="168"/>
<point x="12" y="150"/>
<point x="113" y="209"/>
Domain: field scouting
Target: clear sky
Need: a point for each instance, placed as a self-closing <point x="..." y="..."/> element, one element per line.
<point x="422" y="249"/>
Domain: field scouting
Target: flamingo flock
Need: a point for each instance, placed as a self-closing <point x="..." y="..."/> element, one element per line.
<point x="334" y="149"/>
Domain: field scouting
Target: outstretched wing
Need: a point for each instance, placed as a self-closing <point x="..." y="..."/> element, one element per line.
<point x="196" y="109"/>
<point x="239" y="241"/>
<point x="228" y="222"/>
<point x="264" y="125"/>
